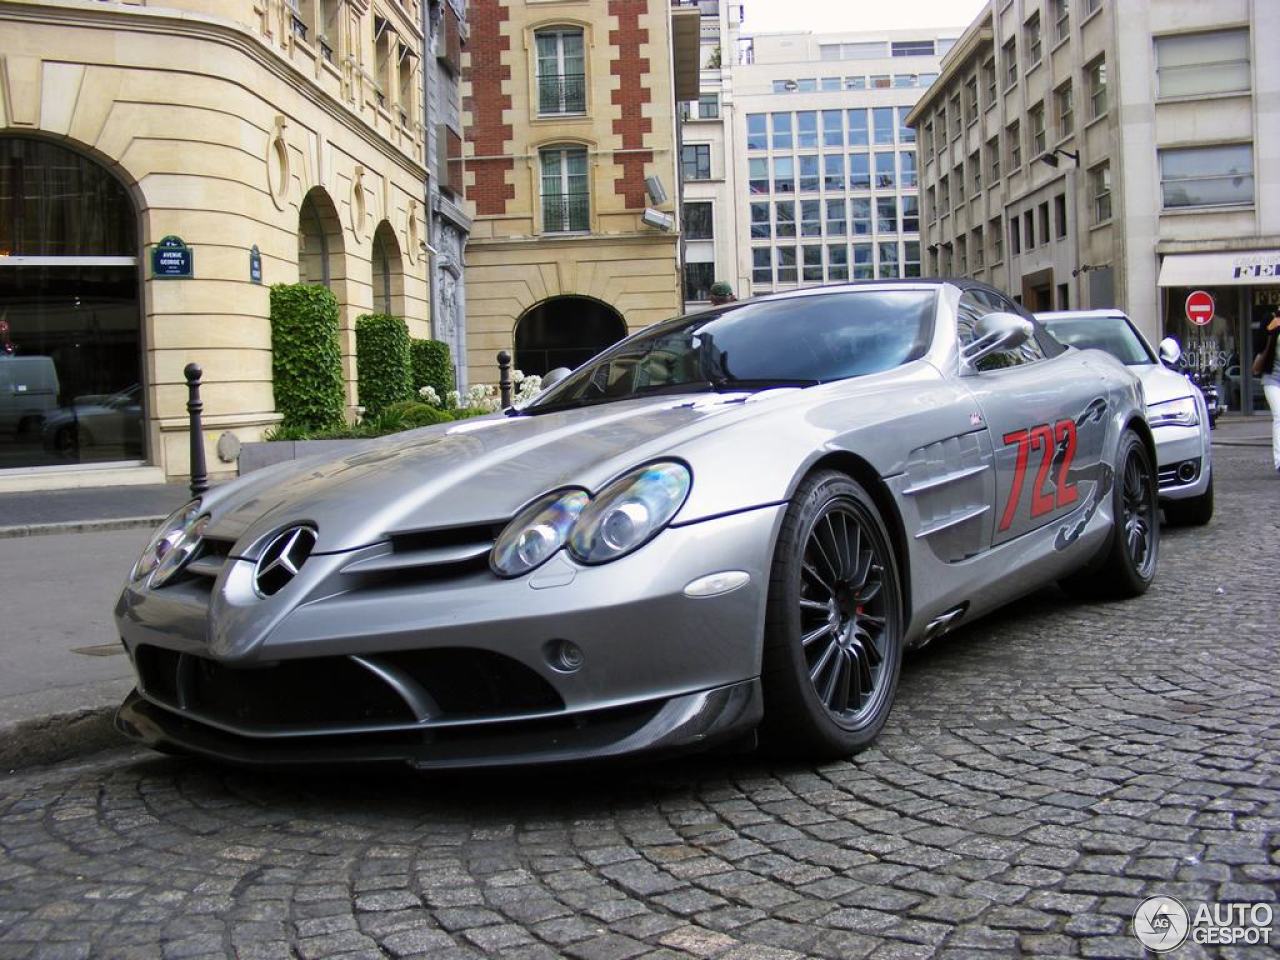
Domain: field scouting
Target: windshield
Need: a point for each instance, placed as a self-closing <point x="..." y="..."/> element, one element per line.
<point x="1112" y="334"/>
<point x="800" y="342"/>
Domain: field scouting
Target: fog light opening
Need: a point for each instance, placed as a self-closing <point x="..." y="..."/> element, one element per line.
<point x="564" y="656"/>
<point x="1186" y="471"/>
<point x="717" y="584"/>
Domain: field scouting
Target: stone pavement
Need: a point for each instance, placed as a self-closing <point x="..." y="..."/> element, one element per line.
<point x="1043" y="771"/>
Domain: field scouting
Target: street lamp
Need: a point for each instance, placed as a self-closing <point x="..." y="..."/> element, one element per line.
<point x="1050" y="157"/>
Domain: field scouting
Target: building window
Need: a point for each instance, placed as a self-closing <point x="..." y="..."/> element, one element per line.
<point x="807" y="130"/>
<point x="757" y="131"/>
<point x="905" y="80"/>
<point x="910" y="213"/>
<point x="911" y="48"/>
<point x="880" y="81"/>
<point x="886" y="214"/>
<point x="807" y="85"/>
<point x="784" y="218"/>
<point x="562" y="86"/>
<point x="889" y="263"/>
<point x="989" y="81"/>
<point x="926" y="79"/>
<point x="907" y="164"/>
<point x="781" y="130"/>
<point x="933" y="205"/>
<point x="975" y="172"/>
<point x="1097" y="74"/>
<point x="698" y="221"/>
<point x="978" y="248"/>
<point x="827" y="84"/>
<point x="809" y="173"/>
<point x="761" y="228"/>
<point x="832" y="128"/>
<point x="1194" y="64"/>
<point x="1066" y="111"/>
<point x="784" y="175"/>
<point x="957" y="182"/>
<point x="906" y="134"/>
<point x="810" y="218"/>
<point x="944" y="195"/>
<point x="993" y="161"/>
<point x="758" y="175"/>
<point x="859" y="171"/>
<point x="1060" y="214"/>
<point x="1010" y="50"/>
<point x="971" y="99"/>
<point x="1091" y="5"/>
<point x="884" y="171"/>
<point x="1064" y="296"/>
<point x="1044" y="222"/>
<point x="1015" y="238"/>
<point x="698" y="278"/>
<point x="1031" y="34"/>
<point x="836" y="224"/>
<point x="1061" y="20"/>
<point x="812" y="254"/>
<point x="837" y="262"/>
<point x="786" y="264"/>
<point x="926" y="141"/>
<point x="762" y="265"/>
<point x="833" y="171"/>
<point x="1036" y="115"/>
<point x="997" y="240"/>
<point x="706" y="107"/>
<point x="565" y="195"/>
<point x="858" y="128"/>
<point x="961" y="261"/>
<point x="855" y="83"/>
<point x="1100" y="191"/>
<point x="695" y="161"/>
<point x="1029" y="229"/>
<point x="911" y="258"/>
<point x="863" y="266"/>
<point x="883" y="124"/>
<point x="860" y="215"/>
<point x="1219" y="176"/>
<point x="1013" y="134"/>
<point x="957" y="118"/>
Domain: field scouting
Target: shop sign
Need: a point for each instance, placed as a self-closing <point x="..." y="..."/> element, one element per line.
<point x="1257" y="267"/>
<point x="1199" y="307"/>
<point x="171" y="259"/>
<point x="255" y="264"/>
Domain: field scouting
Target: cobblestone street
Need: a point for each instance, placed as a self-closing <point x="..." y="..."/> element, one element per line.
<point x="1041" y="773"/>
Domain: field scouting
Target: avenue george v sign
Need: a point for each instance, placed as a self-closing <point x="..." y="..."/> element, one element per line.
<point x="172" y="259"/>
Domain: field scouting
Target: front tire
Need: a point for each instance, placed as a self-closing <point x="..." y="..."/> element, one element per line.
<point x="1193" y="512"/>
<point x="834" y="623"/>
<point x="1128" y="566"/>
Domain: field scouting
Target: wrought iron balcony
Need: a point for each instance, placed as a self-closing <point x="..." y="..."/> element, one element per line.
<point x="562" y="93"/>
<point x="565" y="212"/>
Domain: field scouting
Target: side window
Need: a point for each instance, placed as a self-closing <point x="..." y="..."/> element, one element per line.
<point x="973" y="305"/>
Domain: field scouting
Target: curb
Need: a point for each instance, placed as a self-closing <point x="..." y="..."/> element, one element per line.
<point x="46" y="740"/>
<point x="79" y="526"/>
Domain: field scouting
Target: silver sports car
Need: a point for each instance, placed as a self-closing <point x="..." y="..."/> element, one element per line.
<point x="729" y="523"/>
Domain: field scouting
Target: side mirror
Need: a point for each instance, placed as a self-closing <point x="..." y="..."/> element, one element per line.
<point x="552" y="377"/>
<point x="1170" y="352"/>
<point x="995" y="333"/>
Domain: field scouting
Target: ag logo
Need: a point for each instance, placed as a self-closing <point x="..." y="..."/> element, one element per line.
<point x="1161" y="923"/>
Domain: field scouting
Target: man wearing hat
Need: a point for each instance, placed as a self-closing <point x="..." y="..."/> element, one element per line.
<point x="721" y="292"/>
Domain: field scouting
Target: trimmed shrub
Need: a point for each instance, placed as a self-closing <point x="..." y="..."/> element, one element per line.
<point x="432" y="366"/>
<point x="382" y="357"/>
<point x="306" y="360"/>
<point x="411" y="414"/>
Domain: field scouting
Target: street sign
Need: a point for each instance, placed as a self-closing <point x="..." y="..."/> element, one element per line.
<point x="171" y="259"/>
<point x="255" y="264"/>
<point x="1199" y="308"/>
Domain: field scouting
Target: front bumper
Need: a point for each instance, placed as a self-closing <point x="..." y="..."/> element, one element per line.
<point x="460" y="671"/>
<point x="1182" y="451"/>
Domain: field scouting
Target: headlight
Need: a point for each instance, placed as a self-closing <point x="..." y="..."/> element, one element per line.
<point x="1181" y="413"/>
<point x="171" y="545"/>
<point x="629" y="512"/>
<point x="536" y="533"/>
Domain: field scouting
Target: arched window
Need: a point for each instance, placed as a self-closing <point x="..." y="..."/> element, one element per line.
<point x="388" y="272"/>
<point x="565" y="332"/>
<point x="562" y="81"/>
<point x="319" y="239"/>
<point x="70" y="324"/>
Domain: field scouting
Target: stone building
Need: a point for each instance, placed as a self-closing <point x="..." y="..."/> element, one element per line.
<point x="160" y="167"/>
<point x="570" y="117"/>
<point x="1099" y="153"/>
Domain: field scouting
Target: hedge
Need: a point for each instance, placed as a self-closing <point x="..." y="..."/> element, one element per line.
<point x="382" y="357"/>
<point x="306" y="360"/>
<point x="432" y="366"/>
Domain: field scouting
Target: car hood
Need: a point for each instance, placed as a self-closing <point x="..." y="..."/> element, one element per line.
<point x="471" y="472"/>
<point x="1159" y="383"/>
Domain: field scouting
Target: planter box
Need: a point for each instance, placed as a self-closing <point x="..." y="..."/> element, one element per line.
<point x="266" y="453"/>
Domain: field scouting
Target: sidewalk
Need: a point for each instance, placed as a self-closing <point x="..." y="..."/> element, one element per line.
<point x="88" y="509"/>
<point x="1234" y="430"/>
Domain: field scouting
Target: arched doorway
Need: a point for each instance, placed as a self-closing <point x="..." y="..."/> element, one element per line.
<point x="70" y="324"/>
<point x="565" y="332"/>
<point x="319" y="240"/>
<point x="388" y="272"/>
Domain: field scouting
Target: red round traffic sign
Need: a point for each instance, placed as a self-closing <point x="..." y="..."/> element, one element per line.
<point x="1199" y="307"/>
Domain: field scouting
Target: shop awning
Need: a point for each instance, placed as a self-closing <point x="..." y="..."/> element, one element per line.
<point x="1220" y="269"/>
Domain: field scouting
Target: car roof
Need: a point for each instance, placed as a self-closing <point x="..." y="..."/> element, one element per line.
<point x="1081" y="314"/>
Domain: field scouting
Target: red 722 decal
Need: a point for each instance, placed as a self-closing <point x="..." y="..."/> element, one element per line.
<point x="1044" y="438"/>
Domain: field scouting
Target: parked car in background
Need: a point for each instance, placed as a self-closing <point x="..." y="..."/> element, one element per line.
<point x="110" y="421"/>
<point x="28" y="392"/>
<point x="1176" y="407"/>
<point x="730" y="521"/>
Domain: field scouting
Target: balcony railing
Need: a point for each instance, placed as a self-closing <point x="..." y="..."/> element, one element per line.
<point x="565" y="213"/>
<point x="562" y="93"/>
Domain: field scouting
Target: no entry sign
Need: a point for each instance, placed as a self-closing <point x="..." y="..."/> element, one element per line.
<point x="1199" y="308"/>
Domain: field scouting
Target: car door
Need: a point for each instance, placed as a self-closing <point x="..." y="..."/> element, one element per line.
<point x="1045" y="410"/>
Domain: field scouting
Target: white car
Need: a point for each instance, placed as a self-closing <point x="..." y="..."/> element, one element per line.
<point x="1176" y="408"/>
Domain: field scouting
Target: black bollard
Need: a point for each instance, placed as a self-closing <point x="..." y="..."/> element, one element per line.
<point x="504" y="377"/>
<point x="199" y="472"/>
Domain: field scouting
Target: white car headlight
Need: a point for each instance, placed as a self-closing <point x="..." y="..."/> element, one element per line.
<point x="171" y="545"/>
<point x="629" y="512"/>
<point x="1181" y="413"/>
<point x="536" y="533"/>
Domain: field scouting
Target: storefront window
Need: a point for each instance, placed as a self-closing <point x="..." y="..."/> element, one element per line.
<point x="70" y="349"/>
<point x="1222" y="350"/>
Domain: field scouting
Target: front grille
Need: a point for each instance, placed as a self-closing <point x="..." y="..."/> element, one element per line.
<point x="209" y="559"/>
<point x="418" y="555"/>
<point x="345" y="694"/>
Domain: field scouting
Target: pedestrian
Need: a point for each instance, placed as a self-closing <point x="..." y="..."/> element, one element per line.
<point x="1267" y="365"/>
<point x="721" y="292"/>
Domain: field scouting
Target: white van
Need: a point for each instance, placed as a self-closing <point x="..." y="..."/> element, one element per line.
<point x="28" y="392"/>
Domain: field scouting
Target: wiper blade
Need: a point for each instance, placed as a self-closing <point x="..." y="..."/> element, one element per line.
<point x="724" y="384"/>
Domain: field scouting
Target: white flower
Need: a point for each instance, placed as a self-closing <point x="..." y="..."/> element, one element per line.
<point x="453" y="397"/>
<point x="429" y="396"/>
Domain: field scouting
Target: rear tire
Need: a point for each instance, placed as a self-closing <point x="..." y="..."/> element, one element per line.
<point x="1128" y="564"/>
<point x="1193" y="512"/>
<point x="834" y="623"/>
